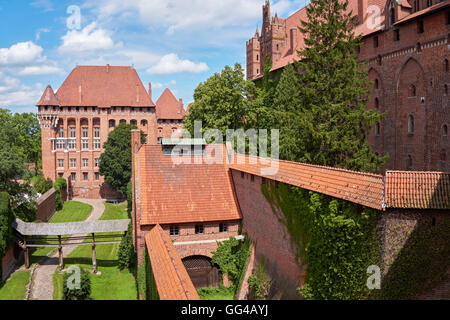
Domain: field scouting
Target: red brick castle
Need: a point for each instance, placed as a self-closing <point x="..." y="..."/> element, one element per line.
<point x="407" y="51"/>
<point x="76" y="120"/>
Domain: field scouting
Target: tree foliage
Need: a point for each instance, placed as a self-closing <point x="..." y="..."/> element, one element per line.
<point x="6" y="218"/>
<point x="81" y="293"/>
<point x="115" y="161"/>
<point x="222" y="102"/>
<point x="332" y="118"/>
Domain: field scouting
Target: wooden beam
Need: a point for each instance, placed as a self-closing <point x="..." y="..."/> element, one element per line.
<point x="94" y="255"/>
<point x="60" y="253"/>
<point x="27" y="257"/>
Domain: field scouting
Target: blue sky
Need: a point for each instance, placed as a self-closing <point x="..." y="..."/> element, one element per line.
<point x="172" y="43"/>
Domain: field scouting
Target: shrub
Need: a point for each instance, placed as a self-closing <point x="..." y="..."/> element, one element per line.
<point x="59" y="185"/>
<point x="81" y="293"/>
<point x="42" y="185"/>
<point x="127" y="255"/>
<point x="260" y="283"/>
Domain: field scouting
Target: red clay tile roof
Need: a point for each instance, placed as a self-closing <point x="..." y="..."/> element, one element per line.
<point x="48" y="98"/>
<point x="103" y="86"/>
<point x="182" y="193"/>
<point x="171" y="277"/>
<point x="362" y="188"/>
<point x="168" y="107"/>
<point x="417" y="190"/>
<point x="425" y="11"/>
<point x="289" y="55"/>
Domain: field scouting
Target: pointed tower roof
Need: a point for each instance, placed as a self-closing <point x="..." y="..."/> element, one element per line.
<point x="257" y="33"/>
<point x="168" y="107"/>
<point x="48" y="98"/>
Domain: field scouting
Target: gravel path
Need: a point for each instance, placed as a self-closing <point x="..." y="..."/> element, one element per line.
<point x="42" y="282"/>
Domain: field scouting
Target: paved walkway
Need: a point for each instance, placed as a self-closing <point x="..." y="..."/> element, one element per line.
<point x="42" y="282"/>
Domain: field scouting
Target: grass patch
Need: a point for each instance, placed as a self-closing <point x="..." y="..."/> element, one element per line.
<point x="221" y="293"/>
<point x="72" y="211"/>
<point x="112" y="284"/>
<point x="16" y="286"/>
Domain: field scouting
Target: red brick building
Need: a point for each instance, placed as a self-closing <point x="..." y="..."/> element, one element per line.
<point x="76" y="120"/>
<point x="407" y="51"/>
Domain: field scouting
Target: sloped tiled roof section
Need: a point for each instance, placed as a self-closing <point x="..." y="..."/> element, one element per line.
<point x="417" y="190"/>
<point x="168" y="107"/>
<point x="48" y="98"/>
<point x="171" y="277"/>
<point x="104" y="86"/>
<point x="295" y="39"/>
<point x="362" y="188"/>
<point x="183" y="193"/>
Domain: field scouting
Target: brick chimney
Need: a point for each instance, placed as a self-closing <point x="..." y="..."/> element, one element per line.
<point x="107" y="68"/>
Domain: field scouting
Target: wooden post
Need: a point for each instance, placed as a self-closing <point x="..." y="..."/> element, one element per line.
<point x="94" y="255"/>
<point x="27" y="257"/>
<point x="60" y="252"/>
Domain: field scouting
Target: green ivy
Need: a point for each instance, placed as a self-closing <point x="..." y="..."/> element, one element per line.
<point x="59" y="185"/>
<point x="335" y="239"/>
<point x="260" y="282"/>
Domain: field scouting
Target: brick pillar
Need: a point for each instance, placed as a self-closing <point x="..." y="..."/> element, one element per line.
<point x="135" y="146"/>
<point x="152" y="136"/>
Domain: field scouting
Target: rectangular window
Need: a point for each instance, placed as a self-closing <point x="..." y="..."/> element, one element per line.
<point x="420" y="27"/>
<point x="85" y="176"/>
<point x="85" y="163"/>
<point x="375" y="42"/>
<point x="97" y="176"/>
<point x="223" y="227"/>
<point x="96" y="162"/>
<point x="73" y="176"/>
<point x="72" y="144"/>
<point x="397" y="35"/>
<point x="97" y="144"/>
<point x="60" y="163"/>
<point x="59" y="144"/>
<point x="96" y="132"/>
<point x="85" y="132"/>
<point x="198" y="228"/>
<point x="72" y="132"/>
<point x="60" y="132"/>
<point x="174" y="231"/>
<point x="85" y="144"/>
<point x="73" y="163"/>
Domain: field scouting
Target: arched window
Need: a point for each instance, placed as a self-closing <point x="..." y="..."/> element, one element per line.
<point x="112" y="123"/>
<point x="411" y="124"/>
<point x="412" y="90"/>
<point x="377" y="129"/>
<point x="409" y="162"/>
<point x="444" y="130"/>
<point x="377" y="84"/>
<point x="257" y="57"/>
<point x="123" y="121"/>
<point x="133" y="122"/>
<point x="377" y="103"/>
<point x="446" y="65"/>
<point x="144" y="123"/>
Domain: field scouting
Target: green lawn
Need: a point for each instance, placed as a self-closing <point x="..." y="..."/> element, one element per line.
<point x="72" y="211"/>
<point x="16" y="286"/>
<point x="112" y="284"/>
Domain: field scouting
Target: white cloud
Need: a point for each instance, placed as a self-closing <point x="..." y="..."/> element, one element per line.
<point x="37" y="70"/>
<point x="14" y="93"/>
<point x="89" y="39"/>
<point x="21" y="53"/>
<point x="46" y="5"/>
<point x="171" y="63"/>
<point x="157" y="85"/>
<point x="39" y="31"/>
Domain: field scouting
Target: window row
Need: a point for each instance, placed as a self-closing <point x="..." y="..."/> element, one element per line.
<point x="73" y="163"/>
<point x="84" y="176"/>
<point x="112" y="123"/>
<point x="199" y="229"/>
<point x="64" y="144"/>
<point x="84" y="132"/>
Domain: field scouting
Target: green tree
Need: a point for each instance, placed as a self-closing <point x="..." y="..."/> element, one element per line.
<point x="222" y="102"/>
<point x="115" y="161"/>
<point x="5" y="226"/>
<point x="334" y="87"/>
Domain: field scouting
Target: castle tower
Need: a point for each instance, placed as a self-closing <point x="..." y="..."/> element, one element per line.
<point x="48" y="119"/>
<point x="253" y="56"/>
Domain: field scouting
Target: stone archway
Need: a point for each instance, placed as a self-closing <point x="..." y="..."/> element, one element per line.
<point x="201" y="271"/>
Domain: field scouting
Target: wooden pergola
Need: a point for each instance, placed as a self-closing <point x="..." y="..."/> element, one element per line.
<point x="59" y="235"/>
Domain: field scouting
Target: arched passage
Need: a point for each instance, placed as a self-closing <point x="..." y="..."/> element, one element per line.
<point x="201" y="271"/>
